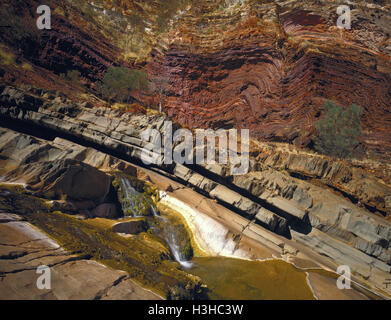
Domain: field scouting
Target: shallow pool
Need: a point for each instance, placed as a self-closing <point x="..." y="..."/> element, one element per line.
<point x="235" y="279"/>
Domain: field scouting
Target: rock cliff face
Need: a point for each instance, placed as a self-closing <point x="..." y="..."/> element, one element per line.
<point x="269" y="66"/>
<point x="333" y="208"/>
<point x="266" y="66"/>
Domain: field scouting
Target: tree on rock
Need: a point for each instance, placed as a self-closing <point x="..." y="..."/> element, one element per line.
<point x="139" y="80"/>
<point x="159" y="87"/>
<point x="119" y="82"/>
<point x="339" y="132"/>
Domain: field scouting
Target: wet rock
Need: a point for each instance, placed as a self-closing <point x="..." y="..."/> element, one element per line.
<point x="68" y="178"/>
<point x="132" y="196"/>
<point x="8" y="217"/>
<point x="302" y="198"/>
<point x="131" y="227"/>
<point x="129" y="290"/>
<point x="105" y="210"/>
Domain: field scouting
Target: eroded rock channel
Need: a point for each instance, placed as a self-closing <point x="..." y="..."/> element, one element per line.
<point x="85" y="186"/>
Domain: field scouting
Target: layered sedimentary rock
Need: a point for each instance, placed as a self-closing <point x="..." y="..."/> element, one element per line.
<point x="75" y="42"/>
<point x="64" y="178"/>
<point x="269" y="66"/>
<point x="334" y="210"/>
<point x="24" y="248"/>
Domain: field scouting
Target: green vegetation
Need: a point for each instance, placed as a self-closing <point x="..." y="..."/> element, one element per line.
<point x="139" y="80"/>
<point x="6" y="57"/>
<point x="177" y="218"/>
<point x="119" y="82"/>
<point x="170" y="225"/>
<point x="236" y="279"/>
<point x="15" y="198"/>
<point x="183" y="240"/>
<point x="27" y="67"/>
<point x="145" y="258"/>
<point x="338" y="133"/>
<point x="137" y="199"/>
<point x="137" y="202"/>
<point x="72" y="76"/>
<point x="17" y="30"/>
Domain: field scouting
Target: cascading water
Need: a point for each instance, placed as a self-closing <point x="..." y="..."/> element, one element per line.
<point x="169" y="236"/>
<point x="168" y="233"/>
<point x="135" y="203"/>
<point x="164" y="227"/>
<point x="127" y="187"/>
<point x="154" y="211"/>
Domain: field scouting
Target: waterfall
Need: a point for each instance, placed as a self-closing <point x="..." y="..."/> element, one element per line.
<point x="154" y="211"/>
<point x="131" y="198"/>
<point x="211" y="235"/>
<point x="175" y="250"/>
<point x="165" y="228"/>
<point x="168" y="234"/>
<point x="127" y="188"/>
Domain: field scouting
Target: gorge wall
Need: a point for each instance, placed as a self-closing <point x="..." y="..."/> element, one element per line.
<point x="267" y="66"/>
<point x="270" y="65"/>
<point x="340" y="213"/>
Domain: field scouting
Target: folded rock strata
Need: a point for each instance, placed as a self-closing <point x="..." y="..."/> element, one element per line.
<point x="269" y="66"/>
<point x="275" y="194"/>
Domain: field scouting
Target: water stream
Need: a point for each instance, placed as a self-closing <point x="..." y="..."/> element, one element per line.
<point x="226" y="277"/>
<point x="132" y="198"/>
<point x="238" y="279"/>
<point x="164" y="226"/>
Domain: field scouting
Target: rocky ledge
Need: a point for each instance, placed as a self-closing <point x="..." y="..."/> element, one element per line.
<point x="337" y="210"/>
<point x="23" y="249"/>
<point x="270" y="65"/>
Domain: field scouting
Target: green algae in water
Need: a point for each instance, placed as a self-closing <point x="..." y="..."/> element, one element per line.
<point x="144" y="259"/>
<point x="170" y="229"/>
<point x="236" y="279"/>
<point x="136" y="197"/>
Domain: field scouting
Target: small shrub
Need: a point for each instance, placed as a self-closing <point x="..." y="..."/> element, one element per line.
<point x="27" y="67"/>
<point x="6" y="57"/>
<point x="338" y="133"/>
<point x="119" y="82"/>
<point x="17" y="30"/>
<point x="72" y="76"/>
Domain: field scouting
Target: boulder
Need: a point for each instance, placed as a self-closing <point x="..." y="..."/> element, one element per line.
<point x="64" y="179"/>
<point x="131" y="227"/>
<point x="105" y="210"/>
<point x="272" y="221"/>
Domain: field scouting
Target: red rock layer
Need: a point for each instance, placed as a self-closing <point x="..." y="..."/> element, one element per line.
<point x="73" y="43"/>
<point x="270" y="68"/>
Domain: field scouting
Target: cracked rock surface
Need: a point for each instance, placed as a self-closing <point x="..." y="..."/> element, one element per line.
<point x="23" y="248"/>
